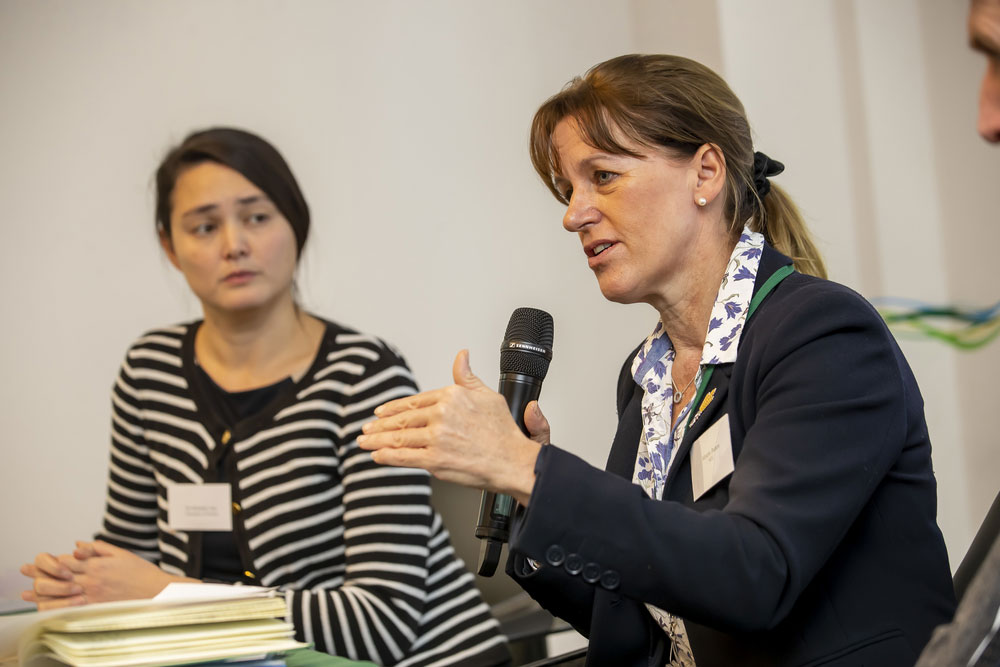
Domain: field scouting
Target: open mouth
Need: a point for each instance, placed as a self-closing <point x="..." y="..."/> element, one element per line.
<point x="599" y="248"/>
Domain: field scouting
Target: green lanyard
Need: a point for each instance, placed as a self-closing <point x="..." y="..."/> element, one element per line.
<point x="764" y="290"/>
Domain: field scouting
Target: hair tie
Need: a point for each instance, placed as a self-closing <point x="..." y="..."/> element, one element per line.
<point x="763" y="168"/>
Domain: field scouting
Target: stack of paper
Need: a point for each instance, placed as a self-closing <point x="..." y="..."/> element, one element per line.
<point x="184" y="624"/>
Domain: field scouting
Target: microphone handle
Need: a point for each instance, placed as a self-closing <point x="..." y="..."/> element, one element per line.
<point x="493" y="526"/>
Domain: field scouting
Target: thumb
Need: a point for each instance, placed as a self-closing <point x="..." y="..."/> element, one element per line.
<point x="536" y="423"/>
<point x="102" y="548"/>
<point x="84" y="550"/>
<point x="462" y="372"/>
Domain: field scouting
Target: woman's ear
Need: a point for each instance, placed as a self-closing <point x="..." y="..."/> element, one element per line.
<point x="710" y="173"/>
<point x="168" y="246"/>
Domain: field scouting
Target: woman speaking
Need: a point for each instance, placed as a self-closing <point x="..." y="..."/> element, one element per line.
<point x="768" y="497"/>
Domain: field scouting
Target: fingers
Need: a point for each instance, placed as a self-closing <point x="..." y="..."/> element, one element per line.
<point x="462" y="373"/>
<point x="45" y="587"/>
<point x="404" y="457"/>
<point x="49" y="566"/>
<point x="72" y="563"/>
<point x="464" y="377"/>
<point x="536" y="423"/>
<point x="410" y="419"/>
<point x="53" y="585"/>
<point x="58" y="603"/>
<point x="421" y="400"/>
<point x="407" y="457"/>
<point x="395" y="439"/>
<point x="84" y="550"/>
<point x="101" y="548"/>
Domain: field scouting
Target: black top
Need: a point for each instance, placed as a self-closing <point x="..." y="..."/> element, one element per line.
<point x="220" y="557"/>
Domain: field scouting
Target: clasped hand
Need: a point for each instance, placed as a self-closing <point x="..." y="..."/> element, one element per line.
<point x="461" y="433"/>
<point x="94" y="572"/>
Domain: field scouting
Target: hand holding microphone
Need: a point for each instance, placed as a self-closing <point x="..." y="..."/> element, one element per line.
<point x="462" y="433"/>
<point x="524" y="361"/>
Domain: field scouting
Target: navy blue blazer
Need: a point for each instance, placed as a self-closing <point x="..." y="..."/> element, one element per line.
<point x="821" y="548"/>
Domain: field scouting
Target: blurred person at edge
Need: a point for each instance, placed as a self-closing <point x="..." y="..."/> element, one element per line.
<point x="268" y="399"/>
<point x="768" y="498"/>
<point x="984" y="36"/>
<point x="972" y="639"/>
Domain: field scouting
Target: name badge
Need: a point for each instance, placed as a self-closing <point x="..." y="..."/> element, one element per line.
<point x="711" y="457"/>
<point x="200" y="507"/>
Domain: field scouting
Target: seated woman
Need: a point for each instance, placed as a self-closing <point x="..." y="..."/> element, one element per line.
<point x="267" y="400"/>
<point x="769" y="497"/>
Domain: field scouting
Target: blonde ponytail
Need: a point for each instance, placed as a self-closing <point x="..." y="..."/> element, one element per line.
<point x="785" y="229"/>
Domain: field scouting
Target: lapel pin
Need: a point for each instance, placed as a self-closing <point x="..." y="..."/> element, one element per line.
<point x="705" y="401"/>
<point x="704" y="404"/>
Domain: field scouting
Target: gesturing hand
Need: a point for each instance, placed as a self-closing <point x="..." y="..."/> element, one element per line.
<point x="462" y="433"/>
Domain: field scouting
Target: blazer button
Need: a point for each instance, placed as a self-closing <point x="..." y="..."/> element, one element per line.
<point x="555" y="555"/>
<point x="610" y="580"/>
<point x="591" y="573"/>
<point x="573" y="564"/>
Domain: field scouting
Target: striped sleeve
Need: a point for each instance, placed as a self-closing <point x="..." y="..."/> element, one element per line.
<point x="131" y="507"/>
<point x="458" y="628"/>
<point x="372" y="608"/>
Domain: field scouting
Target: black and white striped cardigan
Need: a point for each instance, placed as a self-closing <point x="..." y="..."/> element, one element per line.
<point x="365" y="563"/>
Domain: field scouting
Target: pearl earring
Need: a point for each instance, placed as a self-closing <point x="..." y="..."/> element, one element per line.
<point x="701" y="201"/>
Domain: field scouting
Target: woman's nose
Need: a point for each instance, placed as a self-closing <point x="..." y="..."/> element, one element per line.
<point x="580" y="212"/>
<point x="234" y="240"/>
<point x="989" y="104"/>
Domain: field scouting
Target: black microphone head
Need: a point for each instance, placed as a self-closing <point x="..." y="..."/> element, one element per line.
<point x="527" y="345"/>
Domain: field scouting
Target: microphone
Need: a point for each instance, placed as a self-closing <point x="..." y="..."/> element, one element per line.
<point x="524" y="360"/>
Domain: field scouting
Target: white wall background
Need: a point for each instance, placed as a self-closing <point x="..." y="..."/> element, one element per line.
<point x="406" y="124"/>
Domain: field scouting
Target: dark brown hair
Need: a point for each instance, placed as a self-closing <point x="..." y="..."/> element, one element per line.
<point x="676" y="105"/>
<point x="257" y="160"/>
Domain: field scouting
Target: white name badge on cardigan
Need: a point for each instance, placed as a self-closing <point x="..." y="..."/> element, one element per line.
<point x="200" y="507"/>
<point x="711" y="457"/>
